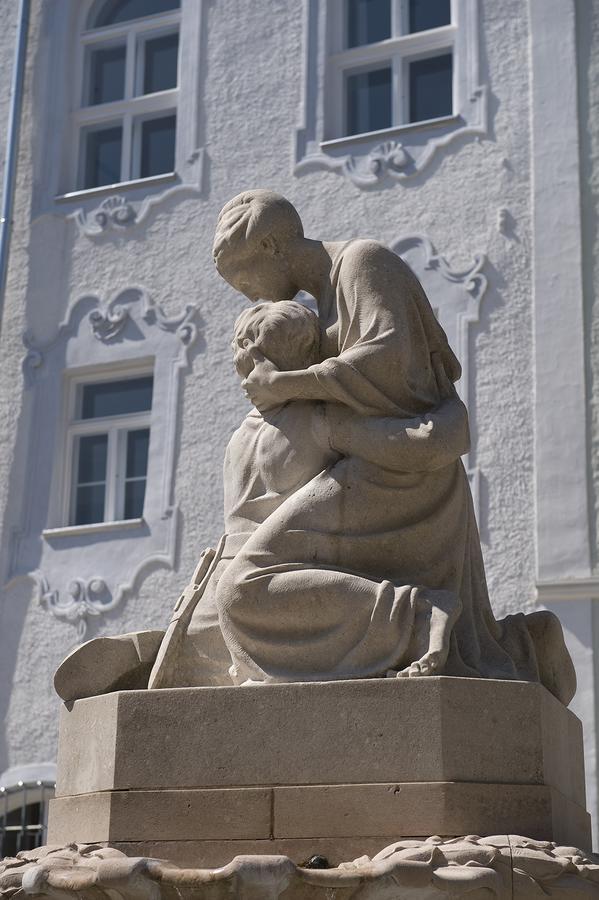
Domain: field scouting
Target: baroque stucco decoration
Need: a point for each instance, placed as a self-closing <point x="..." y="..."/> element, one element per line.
<point x="119" y="214"/>
<point x="502" y="867"/>
<point x="367" y="160"/>
<point x="130" y="330"/>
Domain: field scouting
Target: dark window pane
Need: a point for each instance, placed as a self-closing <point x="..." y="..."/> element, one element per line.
<point x="114" y="11"/>
<point x="431" y="88"/>
<point x="137" y="453"/>
<point x="160" y="68"/>
<point x="103" y="157"/>
<point x="157" y="146"/>
<point x="116" y="398"/>
<point x="134" y="498"/>
<point x="92" y="458"/>
<point x="425" y="14"/>
<point x="368" y="21"/>
<point x="368" y="101"/>
<point x="106" y="75"/>
<point x="89" y="506"/>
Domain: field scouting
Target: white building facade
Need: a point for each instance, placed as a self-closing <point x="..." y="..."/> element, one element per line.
<point x="462" y="133"/>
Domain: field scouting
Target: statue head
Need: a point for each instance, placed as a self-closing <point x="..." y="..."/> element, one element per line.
<point x="286" y="333"/>
<point x="253" y="234"/>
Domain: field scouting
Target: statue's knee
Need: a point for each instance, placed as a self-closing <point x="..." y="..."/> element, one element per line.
<point x="230" y="586"/>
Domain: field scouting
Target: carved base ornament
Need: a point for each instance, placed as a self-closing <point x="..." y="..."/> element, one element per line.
<point x="503" y="867"/>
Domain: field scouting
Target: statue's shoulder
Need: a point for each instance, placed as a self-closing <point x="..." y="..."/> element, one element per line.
<point x="363" y="248"/>
<point x="365" y="254"/>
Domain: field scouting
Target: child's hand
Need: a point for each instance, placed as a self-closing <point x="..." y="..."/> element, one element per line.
<point x="261" y="384"/>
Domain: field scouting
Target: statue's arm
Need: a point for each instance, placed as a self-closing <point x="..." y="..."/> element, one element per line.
<point x="420" y="444"/>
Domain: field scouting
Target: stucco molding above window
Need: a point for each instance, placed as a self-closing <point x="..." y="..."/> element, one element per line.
<point x="86" y="571"/>
<point x="119" y="213"/>
<point x="391" y="155"/>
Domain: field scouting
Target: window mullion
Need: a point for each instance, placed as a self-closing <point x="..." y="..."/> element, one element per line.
<point x="399" y="17"/>
<point x="112" y="475"/>
<point x="398" y="74"/>
<point x="70" y="487"/>
<point x="126" y="149"/>
<point x="130" y="65"/>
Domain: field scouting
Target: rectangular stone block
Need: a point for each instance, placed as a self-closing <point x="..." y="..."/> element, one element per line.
<point x="174" y="815"/>
<point x="445" y="808"/>
<point x="376" y="730"/>
<point x="390" y="811"/>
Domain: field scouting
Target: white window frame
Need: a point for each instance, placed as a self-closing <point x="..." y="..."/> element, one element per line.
<point x="116" y="427"/>
<point x="404" y="150"/>
<point x="397" y="51"/>
<point x="135" y="107"/>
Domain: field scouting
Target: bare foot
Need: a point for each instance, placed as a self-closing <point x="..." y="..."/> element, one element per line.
<point x="441" y="611"/>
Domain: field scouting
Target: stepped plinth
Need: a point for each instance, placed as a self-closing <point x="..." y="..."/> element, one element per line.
<point x="337" y="769"/>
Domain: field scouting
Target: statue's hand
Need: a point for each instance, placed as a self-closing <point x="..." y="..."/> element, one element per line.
<point x="263" y="385"/>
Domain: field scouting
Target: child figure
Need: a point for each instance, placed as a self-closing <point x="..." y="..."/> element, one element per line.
<point x="268" y="458"/>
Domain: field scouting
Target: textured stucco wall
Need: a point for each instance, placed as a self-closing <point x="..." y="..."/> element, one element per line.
<point x="251" y="108"/>
<point x="588" y="42"/>
<point x="8" y="34"/>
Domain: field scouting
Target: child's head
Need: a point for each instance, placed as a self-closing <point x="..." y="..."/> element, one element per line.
<point x="286" y="333"/>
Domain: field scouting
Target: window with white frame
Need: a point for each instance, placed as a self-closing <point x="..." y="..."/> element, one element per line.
<point x="126" y="116"/>
<point x="107" y="448"/>
<point x="392" y="64"/>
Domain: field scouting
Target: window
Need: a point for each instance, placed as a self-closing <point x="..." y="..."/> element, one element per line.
<point x="24" y="816"/>
<point x="126" y="117"/>
<point x="392" y="64"/>
<point x="107" y="449"/>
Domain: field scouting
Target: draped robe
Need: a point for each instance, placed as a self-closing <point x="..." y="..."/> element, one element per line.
<point x="323" y="588"/>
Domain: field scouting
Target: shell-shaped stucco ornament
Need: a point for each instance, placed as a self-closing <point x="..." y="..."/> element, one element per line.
<point x="388" y="158"/>
<point x="114" y="212"/>
<point x="109" y="323"/>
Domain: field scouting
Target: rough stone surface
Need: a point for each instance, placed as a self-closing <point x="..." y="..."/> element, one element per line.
<point x="316" y="813"/>
<point x="232" y="814"/>
<point x="404" y="730"/>
<point x="506" y="867"/>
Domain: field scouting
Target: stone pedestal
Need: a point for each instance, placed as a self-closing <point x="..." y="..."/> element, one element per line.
<point x="338" y="769"/>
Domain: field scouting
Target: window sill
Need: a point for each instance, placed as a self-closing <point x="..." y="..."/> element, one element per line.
<point x="93" y="528"/>
<point x="386" y="133"/>
<point x="117" y="186"/>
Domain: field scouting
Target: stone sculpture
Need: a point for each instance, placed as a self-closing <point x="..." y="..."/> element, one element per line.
<point x="504" y="867"/>
<point x="350" y="553"/>
<point x="351" y="547"/>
